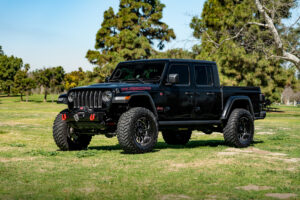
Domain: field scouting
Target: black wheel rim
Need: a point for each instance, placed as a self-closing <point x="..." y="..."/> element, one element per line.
<point x="143" y="132"/>
<point x="244" y="130"/>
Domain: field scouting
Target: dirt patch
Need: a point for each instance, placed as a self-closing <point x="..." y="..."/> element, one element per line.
<point x="277" y="154"/>
<point x="264" y="133"/>
<point x="259" y="152"/>
<point x="174" y="197"/>
<point x="293" y="160"/>
<point x="4" y="160"/>
<point x="87" y="190"/>
<point x="254" y="187"/>
<point x="285" y="128"/>
<point x="211" y="197"/>
<point x="227" y="153"/>
<point x="172" y="166"/>
<point x="291" y="169"/>
<point x="233" y="151"/>
<point x="11" y="123"/>
<point x="176" y="166"/>
<point x="281" y="195"/>
<point x="250" y="150"/>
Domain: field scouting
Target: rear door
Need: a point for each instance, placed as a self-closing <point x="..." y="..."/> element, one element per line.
<point x="180" y="97"/>
<point x="208" y="102"/>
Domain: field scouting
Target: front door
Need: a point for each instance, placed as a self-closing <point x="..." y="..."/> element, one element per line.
<point x="180" y="96"/>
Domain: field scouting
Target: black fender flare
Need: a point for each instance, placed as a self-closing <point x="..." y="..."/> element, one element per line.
<point x="136" y="94"/>
<point x="230" y="102"/>
<point x="62" y="99"/>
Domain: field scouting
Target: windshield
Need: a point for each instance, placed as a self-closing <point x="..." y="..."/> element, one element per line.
<point x="139" y="72"/>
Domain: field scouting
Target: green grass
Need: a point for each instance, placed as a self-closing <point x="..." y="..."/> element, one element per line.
<point x="31" y="167"/>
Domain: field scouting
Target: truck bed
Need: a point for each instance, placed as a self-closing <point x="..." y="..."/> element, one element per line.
<point x="251" y="92"/>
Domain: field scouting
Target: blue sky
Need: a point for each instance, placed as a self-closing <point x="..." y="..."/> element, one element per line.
<point x="47" y="33"/>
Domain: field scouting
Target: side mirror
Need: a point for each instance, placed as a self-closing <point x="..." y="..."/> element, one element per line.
<point x="173" y="78"/>
<point x="107" y="79"/>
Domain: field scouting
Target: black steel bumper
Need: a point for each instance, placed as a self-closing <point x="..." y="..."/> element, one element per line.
<point x="85" y="119"/>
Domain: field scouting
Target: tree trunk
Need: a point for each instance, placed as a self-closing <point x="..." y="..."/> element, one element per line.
<point x="21" y="97"/>
<point x="45" y="96"/>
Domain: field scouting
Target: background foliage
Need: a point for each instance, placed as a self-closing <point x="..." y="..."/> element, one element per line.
<point x="136" y="31"/>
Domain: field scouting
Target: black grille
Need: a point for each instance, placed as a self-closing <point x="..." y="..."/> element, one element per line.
<point x="89" y="98"/>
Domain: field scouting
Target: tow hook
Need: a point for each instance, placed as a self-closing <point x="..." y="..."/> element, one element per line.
<point x="92" y="117"/>
<point x="64" y="117"/>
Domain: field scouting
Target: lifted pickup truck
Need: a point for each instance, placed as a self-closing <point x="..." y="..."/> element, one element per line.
<point x="144" y="97"/>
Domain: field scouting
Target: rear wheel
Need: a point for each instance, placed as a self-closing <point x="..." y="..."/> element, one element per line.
<point x="239" y="129"/>
<point x="176" y="137"/>
<point x="66" y="138"/>
<point x="137" y="130"/>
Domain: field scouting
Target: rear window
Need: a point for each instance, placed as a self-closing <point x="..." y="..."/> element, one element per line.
<point x="203" y="75"/>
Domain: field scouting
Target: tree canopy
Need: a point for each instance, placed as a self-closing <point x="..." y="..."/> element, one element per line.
<point x="130" y="33"/>
<point x="22" y="82"/>
<point x="1" y="51"/>
<point x="9" y="65"/>
<point x="74" y="78"/>
<point x="50" y="79"/>
<point x="240" y="56"/>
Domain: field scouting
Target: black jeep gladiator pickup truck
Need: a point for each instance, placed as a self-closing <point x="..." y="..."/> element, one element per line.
<point x="143" y="97"/>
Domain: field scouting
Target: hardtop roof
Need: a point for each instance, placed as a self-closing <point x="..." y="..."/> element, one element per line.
<point x="170" y="60"/>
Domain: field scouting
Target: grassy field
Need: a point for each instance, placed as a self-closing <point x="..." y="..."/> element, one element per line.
<point x="31" y="167"/>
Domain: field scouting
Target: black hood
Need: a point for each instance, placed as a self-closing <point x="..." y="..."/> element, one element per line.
<point x="112" y="85"/>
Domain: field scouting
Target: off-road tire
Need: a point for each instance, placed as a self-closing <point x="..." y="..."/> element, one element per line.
<point x="127" y="130"/>
<point x="231" y="131"/>
<point x="64" y="141"/>
<point x="176" y="137"/>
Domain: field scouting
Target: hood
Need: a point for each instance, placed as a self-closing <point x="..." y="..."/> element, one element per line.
<point x="121" y="86"/>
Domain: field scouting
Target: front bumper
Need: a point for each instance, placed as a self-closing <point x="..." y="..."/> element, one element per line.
<point x="85" y="119"/>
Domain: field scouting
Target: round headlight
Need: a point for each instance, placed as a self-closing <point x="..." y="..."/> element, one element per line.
<point x="71" y="97"/>
<point x="107" y="96"/>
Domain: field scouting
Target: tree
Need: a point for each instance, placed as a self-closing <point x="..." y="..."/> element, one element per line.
<point x="8" y="69"/>
<point x="174" y="53"/>
<point x="268" y="16"/>
<point x="23" y="83"/>
<point x="230" y="36"/>
<point x="129" y="34"/>
<point x="50" y="79"/>
<point x="284" y="52"/>
<point x="73" y="78"/>
<point x="1" y="51"/>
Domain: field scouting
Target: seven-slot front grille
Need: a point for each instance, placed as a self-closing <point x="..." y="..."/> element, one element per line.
<point x="89" y="98"/>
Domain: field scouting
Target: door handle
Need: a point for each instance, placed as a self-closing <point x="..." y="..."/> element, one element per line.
<point x="210" y="93"/>
<point x="189" y="93"/>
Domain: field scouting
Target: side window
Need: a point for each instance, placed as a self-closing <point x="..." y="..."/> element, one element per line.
<point x="203" y="75"/>
<point x="183" y="72"/>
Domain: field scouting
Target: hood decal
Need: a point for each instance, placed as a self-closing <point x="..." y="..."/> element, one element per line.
<point x="135" y="89"/>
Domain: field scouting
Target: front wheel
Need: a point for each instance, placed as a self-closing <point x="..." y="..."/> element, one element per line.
<point x="137" y="130"/>
<point x="239" y="129"/>
<point x="67" y="140"/>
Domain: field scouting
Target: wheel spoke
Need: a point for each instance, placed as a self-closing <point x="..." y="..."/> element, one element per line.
<point x="142" y="131"/>
<point x="244" y="129"/>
